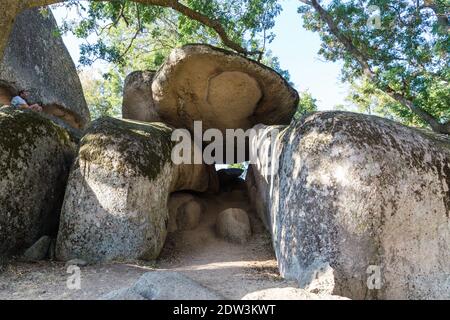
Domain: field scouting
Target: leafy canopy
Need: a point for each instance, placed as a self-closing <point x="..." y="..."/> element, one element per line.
<point x="129" y="36"/>
<point x="405" y="45"/>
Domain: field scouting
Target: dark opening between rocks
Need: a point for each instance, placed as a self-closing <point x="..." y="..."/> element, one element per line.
<point x="69" y="117"/>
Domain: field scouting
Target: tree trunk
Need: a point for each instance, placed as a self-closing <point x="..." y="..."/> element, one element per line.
<point x="435" y="125"/>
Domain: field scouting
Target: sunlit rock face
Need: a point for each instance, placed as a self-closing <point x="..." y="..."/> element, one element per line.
<point x="37" y="60"/>
<point x="361" y="200"/>
<point x="115" y="207"/>
<point x="220" y="88"/>
<point x="35" y="158"/>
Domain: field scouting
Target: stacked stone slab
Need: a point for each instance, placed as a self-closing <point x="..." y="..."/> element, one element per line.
<point x="35" y="158"/>
<point x="222" y="89"/>
<point x="36" y="150"/>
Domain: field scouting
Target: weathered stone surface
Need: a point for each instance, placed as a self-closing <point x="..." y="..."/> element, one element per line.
<point x="37" y="60"/>
<point x="115" y="206"/>
<point x="221" y="88"/>
<point x="137" y="97"/>
<point x="353" y="193"/>
<point x="233" y="225"/>
<point x="163" y="285"/>
<point x="76" y="262"/>
<point x="35" y="157"/>
<point x="185" y="211"/>
<point x="176" y="201"/>
<point x="38" y="251"/>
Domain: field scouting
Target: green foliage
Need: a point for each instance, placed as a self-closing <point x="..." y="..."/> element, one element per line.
<point x="237" y="166"/>
<point x="370" y="100"/>
<point x="246" y="22"/>
<point x="306" y="105"/>
<point x="408" y="54"/>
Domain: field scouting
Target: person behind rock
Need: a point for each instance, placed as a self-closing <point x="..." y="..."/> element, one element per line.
<point x="20" y="102"/>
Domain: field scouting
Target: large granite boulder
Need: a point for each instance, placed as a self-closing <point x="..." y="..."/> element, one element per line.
<point x="363" y="202"/>
<point x="220" y="88"/>
<point x="137" y="97"/>
<point x="37" y="60"/>
<point x="163" y="285"/>
<point x="35" y="158"/>
<point x="115" y="206"/>
<point x="233" y="225"/>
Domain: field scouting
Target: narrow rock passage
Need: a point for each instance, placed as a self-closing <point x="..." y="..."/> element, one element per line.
<point x="231" y="270"/>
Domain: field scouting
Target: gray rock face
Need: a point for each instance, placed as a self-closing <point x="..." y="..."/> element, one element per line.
<point x="37" y="60"/>
<point x="185" y="211"/>
<point x="35" y="157"/>
<point x="363" y="199"/>
<point x="223" y="89"/>
<point x="163" y="285"/>
<point x="233" y="225"/>
<point x="38" y="251"/>
<point x="137" y="97"/>
<point x="115" y="206"/>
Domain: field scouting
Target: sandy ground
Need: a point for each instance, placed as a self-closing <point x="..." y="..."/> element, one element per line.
<point x="229" y="269"/>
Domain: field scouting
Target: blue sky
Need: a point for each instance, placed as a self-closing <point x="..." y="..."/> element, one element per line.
<point x="297" y="50"/>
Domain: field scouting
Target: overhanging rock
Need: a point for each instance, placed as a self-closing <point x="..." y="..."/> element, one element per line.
<point x="361" y="200"/>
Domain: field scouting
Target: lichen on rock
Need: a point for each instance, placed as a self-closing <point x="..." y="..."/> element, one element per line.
<point x="35" y="157"/>
<point x="222" y="89"/>
<point x="37" y="60"/>
<point x="357" y="193"/>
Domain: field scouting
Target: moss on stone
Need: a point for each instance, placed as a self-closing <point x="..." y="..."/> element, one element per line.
<point x="142" y="148"/>
<point x="18" y="132"/>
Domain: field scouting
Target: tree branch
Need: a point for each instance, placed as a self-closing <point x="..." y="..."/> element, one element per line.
<point x="363" y="62"/>
<point x="177" y="6"/>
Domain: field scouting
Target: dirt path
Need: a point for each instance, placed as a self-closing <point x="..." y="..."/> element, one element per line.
<point x="229" y="269"/>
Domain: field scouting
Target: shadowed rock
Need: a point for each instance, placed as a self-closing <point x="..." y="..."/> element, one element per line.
<point x="116" y="199"/>
<point x="185" y="211"/>
<point x="37" y="60"/>
<point x="38" y="251"/>
<point x="359" y="198"/>
<point x="221" y="88"/>
<point x="137" y="97"/>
